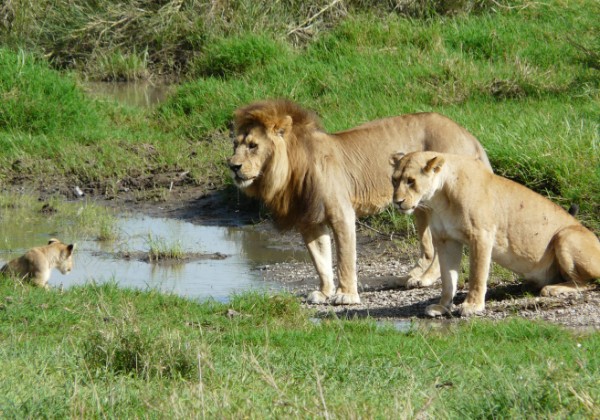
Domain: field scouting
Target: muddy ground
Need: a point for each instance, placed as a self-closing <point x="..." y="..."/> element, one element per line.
<point x="380" y="265"/>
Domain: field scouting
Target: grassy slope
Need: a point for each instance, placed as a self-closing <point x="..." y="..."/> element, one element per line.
<point x="131" y="354"/>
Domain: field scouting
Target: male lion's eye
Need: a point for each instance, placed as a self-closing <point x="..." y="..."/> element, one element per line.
<point x="252" y="146"/>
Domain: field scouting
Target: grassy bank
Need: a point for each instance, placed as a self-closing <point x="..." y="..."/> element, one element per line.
<point x="100" y="351"/>
<point x="522" y="76"/>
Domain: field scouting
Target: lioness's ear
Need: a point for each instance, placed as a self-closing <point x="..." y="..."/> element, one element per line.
<point x="53" y="240"/>
<point x="395" y="158"/>
<point x="434" y="164"/>
<point x="283" y="126"/>
<point x="70" y="249"/>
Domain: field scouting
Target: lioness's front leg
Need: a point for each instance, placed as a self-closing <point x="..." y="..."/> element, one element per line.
<point x="344" y="234"/>
<point x="318" y="242"/>
<point x="449" y="254"/>
<point x="480" y="259"/>
<point x="427" y="269"/>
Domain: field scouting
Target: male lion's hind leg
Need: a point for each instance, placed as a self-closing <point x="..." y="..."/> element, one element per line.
<point x="577" y="251"/>
<point x="426" y="271"/>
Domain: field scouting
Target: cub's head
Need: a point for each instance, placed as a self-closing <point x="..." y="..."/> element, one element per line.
<point x="415" y="179"/>
<point x="65" y="255"/>
<point x="260" y="133"/>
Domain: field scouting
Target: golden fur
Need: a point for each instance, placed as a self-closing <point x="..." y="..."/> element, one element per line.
<point x="36" y="265"/>
<point x="497" y="219"/>
<point x="313" y="181"/>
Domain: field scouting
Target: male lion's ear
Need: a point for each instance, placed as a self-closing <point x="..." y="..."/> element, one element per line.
<point x="395" y="158"/>
<point x="283" y="126"/>
<point x="434" y="164"/>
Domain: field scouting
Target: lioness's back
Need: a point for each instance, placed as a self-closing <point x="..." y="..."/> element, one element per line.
<point x="424" y="131"/>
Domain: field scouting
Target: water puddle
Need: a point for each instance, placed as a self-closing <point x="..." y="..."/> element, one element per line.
<point x="138" y="94"/>
<point x="244" y="249"/>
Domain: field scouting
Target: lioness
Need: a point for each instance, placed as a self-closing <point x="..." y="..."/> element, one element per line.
<point x="38" y="262"/>
<point x="498" y="219"/>
<point x="312" y="180"/>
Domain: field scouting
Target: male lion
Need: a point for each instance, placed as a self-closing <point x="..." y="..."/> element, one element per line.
<point x="38" y="262"/>
<point x="498" y="219"/>
<point x="311" y="180"/>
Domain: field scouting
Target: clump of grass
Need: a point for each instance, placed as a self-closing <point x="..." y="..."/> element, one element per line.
<point x="118" y="66"/>
<point x="123" y="346"/>
<point x="161" y="249"/>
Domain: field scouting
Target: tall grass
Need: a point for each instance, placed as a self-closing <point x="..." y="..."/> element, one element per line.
<point x="90" y="36"/>
<point x="99" y="351"/>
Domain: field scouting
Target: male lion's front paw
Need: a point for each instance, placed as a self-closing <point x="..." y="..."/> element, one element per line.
<point x="466" y="309"/>
<point x="345" y="299"/>
<point x="436" y="310"/>
<point x="316" y="297"/>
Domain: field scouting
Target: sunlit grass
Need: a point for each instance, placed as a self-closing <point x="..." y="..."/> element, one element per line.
<point x="100" y="350"/>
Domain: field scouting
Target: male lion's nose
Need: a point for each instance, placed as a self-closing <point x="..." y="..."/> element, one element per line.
<point x="234" y="167"/>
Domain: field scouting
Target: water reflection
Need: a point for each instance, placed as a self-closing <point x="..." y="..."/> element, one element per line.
<point x="140" y="94"/>
<point x="215" y="278"/>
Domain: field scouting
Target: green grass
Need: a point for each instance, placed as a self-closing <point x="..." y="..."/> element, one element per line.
<point x="98" y="351"/>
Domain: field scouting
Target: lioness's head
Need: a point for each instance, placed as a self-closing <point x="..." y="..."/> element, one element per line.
<point x="415" y="178"/>
<point x="261" y="134"/>
<point x="65" y="255"/>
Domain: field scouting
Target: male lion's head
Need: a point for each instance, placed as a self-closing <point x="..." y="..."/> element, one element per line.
<point x="414" y="179"/>
<point x="262" y="133"/>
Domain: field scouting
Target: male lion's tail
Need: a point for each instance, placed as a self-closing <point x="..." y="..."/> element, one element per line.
<point x="482" y="155"/>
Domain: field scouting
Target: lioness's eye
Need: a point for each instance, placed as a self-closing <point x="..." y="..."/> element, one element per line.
<point x="410" y="182"/>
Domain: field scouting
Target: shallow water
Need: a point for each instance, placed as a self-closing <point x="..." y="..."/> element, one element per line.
<point x="140" y="94"/>
<point x="246" y="249"/>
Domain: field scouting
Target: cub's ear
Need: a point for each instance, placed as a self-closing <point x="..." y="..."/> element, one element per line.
<point x="283" y="126"/>
<point x="53" y="240"/>
<point x="70" y="248"/>
<point x="434" y="164"/>
<point x="396" y="157"/>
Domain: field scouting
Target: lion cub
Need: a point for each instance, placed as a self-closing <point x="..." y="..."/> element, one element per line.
<point x="38" y="262"/>
<point x="498" y="219"/>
